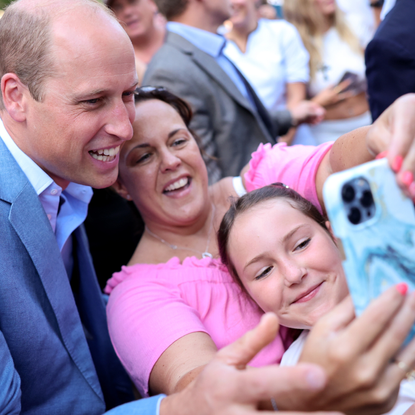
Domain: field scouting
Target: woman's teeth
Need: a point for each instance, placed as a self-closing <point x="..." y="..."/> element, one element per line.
<point x="177" y="185"/>
<point x="107" y="154"/>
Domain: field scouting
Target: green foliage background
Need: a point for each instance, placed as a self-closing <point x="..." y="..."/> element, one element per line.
<point x="4" y="3"/>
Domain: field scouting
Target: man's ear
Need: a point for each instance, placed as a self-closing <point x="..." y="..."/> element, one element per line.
<point x="119" y="187"/>
<point x="14" y="96"/>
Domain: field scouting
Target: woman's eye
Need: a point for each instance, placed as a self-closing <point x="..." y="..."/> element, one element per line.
<point x="302" y="244"/>
<point x="143" y="158"/>
<point x="264" y="273"/>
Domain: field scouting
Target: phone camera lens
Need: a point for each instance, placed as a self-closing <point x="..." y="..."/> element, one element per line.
<point x="367" y="199"/>
<point x="354" y="215"/>
<point x="348" y="193"/>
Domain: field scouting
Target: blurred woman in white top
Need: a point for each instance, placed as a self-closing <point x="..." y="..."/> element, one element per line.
<point x="337" y="68"/>
<point x="271" y="56"/>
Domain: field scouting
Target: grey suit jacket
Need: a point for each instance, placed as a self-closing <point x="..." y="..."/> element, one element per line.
<point x="230" y="129"/>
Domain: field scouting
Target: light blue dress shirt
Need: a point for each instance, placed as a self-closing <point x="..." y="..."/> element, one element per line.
<point x="213" y="45"/>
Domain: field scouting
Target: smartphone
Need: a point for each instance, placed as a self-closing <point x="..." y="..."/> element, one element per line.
<point x="375" y="224"/>
<point x="356" y="85"/>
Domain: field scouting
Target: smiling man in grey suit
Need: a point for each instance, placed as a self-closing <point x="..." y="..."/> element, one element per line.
<point x="228" y="116"/>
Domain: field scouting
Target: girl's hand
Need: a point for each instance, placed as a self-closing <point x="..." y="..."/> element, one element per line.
<point x="360" y="355"/>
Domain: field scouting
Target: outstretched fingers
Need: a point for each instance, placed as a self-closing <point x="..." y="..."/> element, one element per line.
<point x="286" y="384"/>
<point x="363" y="331"/>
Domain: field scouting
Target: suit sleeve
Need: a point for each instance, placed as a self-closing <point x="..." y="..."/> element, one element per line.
<point x="10" y="393"/>
<point x="282" y="121"/>
<point x="187" y="88"/>
<point x="390" y="72"/>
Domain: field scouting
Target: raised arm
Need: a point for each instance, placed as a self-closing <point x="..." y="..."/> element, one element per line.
<point x="393" y="132"/>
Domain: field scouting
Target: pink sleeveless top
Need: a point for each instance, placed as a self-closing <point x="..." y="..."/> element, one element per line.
<point x="153" y="305"/>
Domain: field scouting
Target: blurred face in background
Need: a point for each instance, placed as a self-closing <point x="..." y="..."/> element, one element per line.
<point x="325" y="7"/>
<point x="137" y="16"/>
<point x="244" y="11"/>
<point x="219" y="10"/>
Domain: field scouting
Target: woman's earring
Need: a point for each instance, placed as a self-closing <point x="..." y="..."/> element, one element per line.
<point x="129" y="197"/>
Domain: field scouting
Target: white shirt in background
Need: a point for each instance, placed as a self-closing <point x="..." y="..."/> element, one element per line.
<point x="275" y="56"/>
<point x="338" y="57"/>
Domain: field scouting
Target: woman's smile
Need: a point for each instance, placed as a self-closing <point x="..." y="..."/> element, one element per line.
<point x="179" y="187"/>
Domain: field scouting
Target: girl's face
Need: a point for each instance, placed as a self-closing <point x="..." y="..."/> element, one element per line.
<point x="287" y="262"/>
<point x="161" y="167"/>
<point x="326" y="7"/>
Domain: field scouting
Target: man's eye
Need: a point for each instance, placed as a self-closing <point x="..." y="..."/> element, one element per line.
<point x="128" y="94"/>
<point x="264" y="273"/>
<point x="92" y="101"/>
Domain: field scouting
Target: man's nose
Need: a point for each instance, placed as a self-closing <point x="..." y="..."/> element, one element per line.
<point x="119" y="123"/>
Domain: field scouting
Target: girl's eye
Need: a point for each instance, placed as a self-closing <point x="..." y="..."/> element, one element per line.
<point x="302" y="244"/>
<point x="264" y="273"/>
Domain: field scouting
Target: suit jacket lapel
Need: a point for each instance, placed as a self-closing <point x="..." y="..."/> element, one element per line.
<point x="31" y="224"/>
<point x="208" y="64"/>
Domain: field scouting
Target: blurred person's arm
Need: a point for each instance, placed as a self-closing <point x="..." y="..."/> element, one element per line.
<point x="296" y="92"/>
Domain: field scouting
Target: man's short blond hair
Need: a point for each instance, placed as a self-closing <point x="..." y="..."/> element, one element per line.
<point x="26" y="43"/>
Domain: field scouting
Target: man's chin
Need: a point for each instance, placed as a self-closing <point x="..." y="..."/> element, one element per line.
<point x="99" y="181"/>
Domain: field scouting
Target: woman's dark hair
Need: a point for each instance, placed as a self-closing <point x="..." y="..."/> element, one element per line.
<point x="147" y="93"/>
<point x="252" y="199"/>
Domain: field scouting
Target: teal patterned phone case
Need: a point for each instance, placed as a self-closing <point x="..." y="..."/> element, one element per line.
<point x="379" y="240"/>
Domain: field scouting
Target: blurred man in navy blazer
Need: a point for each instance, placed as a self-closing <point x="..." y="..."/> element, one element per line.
<point x="390" y="58"/>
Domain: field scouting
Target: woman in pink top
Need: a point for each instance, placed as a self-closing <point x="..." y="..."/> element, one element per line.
<point x="174" y="304"/>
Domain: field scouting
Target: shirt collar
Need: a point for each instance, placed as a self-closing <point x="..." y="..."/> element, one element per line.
<point x="208" y="42"/>
<point x="36" y="176"/>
